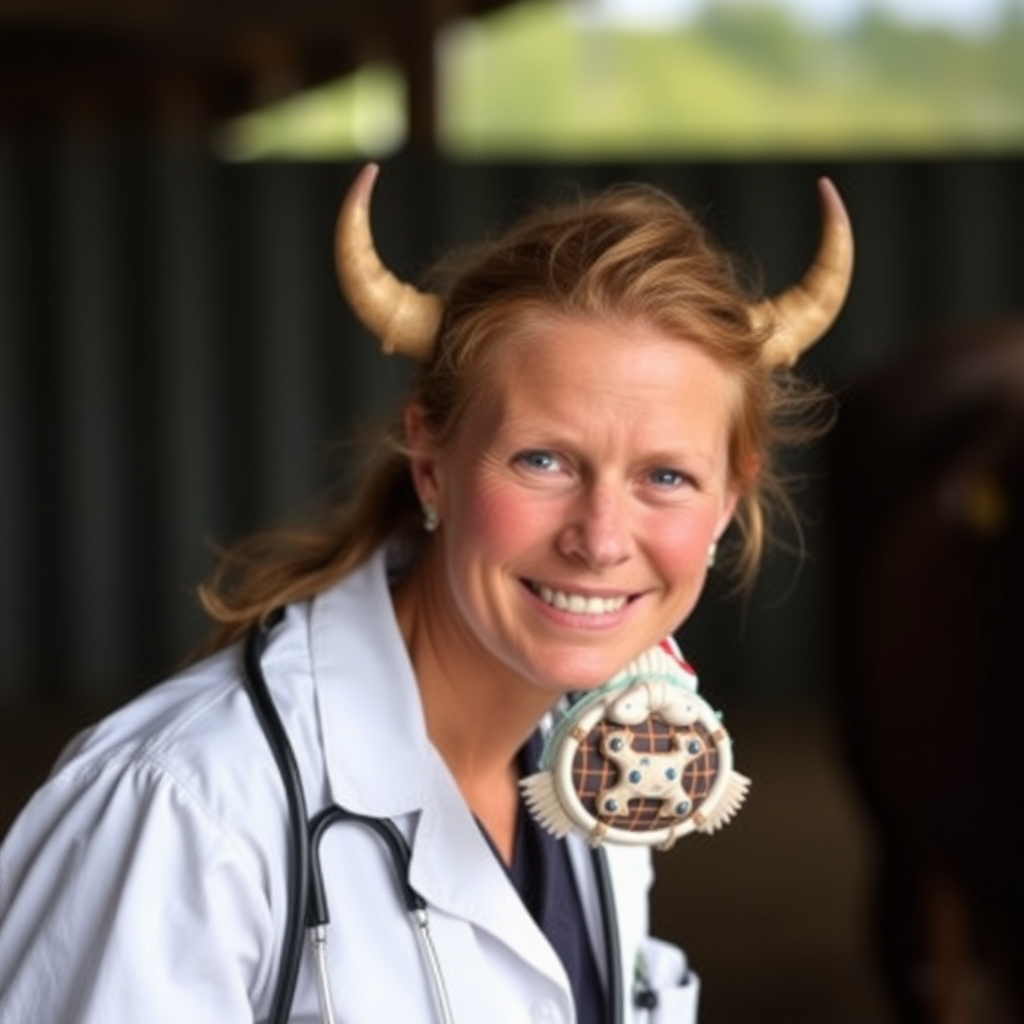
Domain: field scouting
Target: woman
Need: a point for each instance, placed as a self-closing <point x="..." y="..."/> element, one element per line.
<point x="598" y="401"/>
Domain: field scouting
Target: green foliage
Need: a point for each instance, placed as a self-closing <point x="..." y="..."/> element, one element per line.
<point x="531" y="80"/>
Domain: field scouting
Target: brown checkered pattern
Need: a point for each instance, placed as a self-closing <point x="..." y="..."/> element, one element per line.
<point x="592" y="773"/>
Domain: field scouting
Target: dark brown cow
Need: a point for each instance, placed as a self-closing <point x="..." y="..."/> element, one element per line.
<point x="927" y="517"/>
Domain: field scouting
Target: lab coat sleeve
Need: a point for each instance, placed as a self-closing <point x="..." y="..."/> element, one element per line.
<point x="121" y="899"/>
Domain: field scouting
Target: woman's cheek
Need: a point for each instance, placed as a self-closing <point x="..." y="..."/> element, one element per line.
<point x="502" y="517"/>
<point x="681" y="543"/>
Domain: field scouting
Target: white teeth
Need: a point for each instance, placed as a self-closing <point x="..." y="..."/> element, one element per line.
<point x="578" y="603"/>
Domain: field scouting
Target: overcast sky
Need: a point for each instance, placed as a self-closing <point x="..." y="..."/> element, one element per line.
<point x="967" y="15"/>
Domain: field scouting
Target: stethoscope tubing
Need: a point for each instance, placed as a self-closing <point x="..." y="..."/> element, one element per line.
<point x="307" y="902"/>
<point x="318" y="915"/>
<point x="298" y="838"/>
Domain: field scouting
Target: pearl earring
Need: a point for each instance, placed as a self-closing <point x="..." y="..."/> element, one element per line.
<point x="712" y="553"/>
<point x="431" y="519"/>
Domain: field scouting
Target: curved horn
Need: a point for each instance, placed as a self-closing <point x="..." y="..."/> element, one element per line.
<point x="404" y="320"/>
<point x="802" y="313"/>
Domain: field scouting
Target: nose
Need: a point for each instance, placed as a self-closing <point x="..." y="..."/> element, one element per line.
<point x="599" y="531"/>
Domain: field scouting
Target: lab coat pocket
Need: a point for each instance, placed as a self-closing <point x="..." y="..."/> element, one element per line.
<point x="667" y="990"/>
<point x="676" y="1005"/>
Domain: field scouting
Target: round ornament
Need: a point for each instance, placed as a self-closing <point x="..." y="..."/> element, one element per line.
<point x="643" y="760"/>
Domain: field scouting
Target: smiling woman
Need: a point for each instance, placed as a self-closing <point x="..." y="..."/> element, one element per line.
<point x="474" y="657"/>
<point x="585" y="493"/>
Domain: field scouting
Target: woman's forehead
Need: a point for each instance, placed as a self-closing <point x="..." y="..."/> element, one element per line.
<point x="586" y="354"/>
<point x="588" y="376"/>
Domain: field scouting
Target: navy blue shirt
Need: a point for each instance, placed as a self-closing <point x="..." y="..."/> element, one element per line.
<point x="543" y="877"/>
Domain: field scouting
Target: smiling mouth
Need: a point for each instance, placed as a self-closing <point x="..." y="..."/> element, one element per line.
<point x="578" y="604"/>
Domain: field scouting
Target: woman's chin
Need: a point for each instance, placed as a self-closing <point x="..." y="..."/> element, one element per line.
<point x="580" y="674"/>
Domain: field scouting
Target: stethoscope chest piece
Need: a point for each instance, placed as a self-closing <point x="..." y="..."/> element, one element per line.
<point x="643" y="760"/>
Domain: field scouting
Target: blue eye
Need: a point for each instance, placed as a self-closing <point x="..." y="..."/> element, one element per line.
<point x="540" y="460"/>
<point x="668" y="478"/>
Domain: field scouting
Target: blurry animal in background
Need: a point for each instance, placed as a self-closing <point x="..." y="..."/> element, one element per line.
<point x="926" y="506"/>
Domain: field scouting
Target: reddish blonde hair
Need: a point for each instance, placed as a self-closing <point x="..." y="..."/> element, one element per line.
<point x="631" y="254"/>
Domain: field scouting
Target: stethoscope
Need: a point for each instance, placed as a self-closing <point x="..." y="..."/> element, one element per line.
<point x="307" y="901"/>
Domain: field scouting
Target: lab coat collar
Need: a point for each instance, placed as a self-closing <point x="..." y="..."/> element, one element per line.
<point x="454" y="868"/>
<point x="371" y="717"/>
<point x="369" y="705"/>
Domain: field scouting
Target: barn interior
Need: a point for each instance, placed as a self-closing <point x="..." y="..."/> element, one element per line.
<point x="175" y="363"/>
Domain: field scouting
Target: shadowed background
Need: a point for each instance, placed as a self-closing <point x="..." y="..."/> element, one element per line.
<point x="176" y="368"/>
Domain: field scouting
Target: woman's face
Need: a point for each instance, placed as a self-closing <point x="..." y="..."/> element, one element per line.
<point x="579" y="501"/>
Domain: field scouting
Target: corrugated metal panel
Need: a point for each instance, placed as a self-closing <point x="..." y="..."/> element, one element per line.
<point x="175" y="361"/>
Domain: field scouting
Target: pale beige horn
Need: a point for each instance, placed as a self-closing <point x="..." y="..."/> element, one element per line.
<point x="802" y="313"/>
<point x="403" y="319"/>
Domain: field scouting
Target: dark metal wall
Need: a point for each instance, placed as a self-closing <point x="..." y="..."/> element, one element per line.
<point x="175" y="365"/>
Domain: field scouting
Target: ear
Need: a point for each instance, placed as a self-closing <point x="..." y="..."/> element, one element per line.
<point x="423" y="457"/>
<point x="738" y="486"/>
<point x="727" y="511"/>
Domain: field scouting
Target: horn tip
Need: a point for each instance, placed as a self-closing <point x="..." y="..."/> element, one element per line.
<point x="364" y="181"/>
<point x="832" y="200"/>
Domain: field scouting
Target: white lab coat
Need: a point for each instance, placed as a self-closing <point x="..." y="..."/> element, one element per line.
<point x="146" y="881"/>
